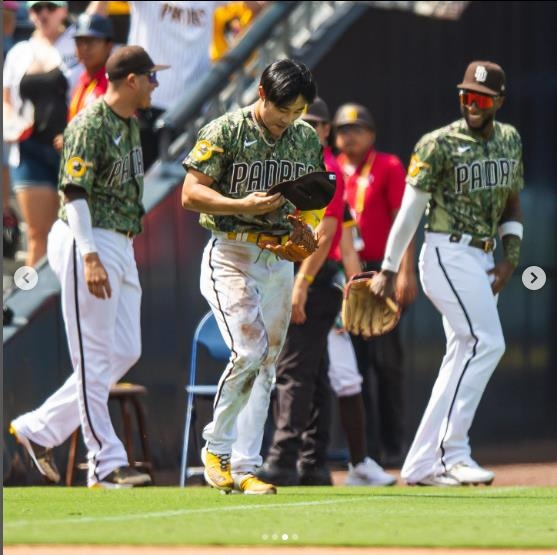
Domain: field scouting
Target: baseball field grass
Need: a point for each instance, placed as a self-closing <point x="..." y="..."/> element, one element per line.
<point x="509" y="517"/>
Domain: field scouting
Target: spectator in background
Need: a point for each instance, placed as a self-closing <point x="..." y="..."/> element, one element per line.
<point x="229" y="22"/>
<point x="35" y="75"/>
<point x="10" y="227"/>
<point x="93" y="41"/>
<point x="374" y="189"/>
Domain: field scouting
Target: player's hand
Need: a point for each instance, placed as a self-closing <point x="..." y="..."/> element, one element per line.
<point x="261" y="203"/>
<point x="58" y="142"/>
<point x="502" y="272"/>
<point x="406" y="288"/>
<point x="96" y="276"/>
<point x="299" y="299"/>
<point x="383" y="284"/>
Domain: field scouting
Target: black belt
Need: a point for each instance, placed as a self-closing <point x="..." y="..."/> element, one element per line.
<point x="486" y="245"/>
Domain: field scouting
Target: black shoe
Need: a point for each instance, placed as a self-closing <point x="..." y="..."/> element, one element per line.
<point x="391" y="460"/>
<point x="41" y="456"/>
<point x="124" y="477"/>
<point x="277" y="475"/>
<point x="315" y="476"/>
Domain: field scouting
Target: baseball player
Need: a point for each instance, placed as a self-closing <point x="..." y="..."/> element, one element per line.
<point x="236" y="159"/>
<point x="90" y="249"/>
<point x="374" y="188"/>
<point x="469" y="175"/>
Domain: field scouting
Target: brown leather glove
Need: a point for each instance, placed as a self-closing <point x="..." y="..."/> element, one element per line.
<point x="363" y="312"/>
<point x="301" y="243"/>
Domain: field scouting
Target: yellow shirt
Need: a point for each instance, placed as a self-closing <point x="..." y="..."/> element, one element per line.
<point x="228" y="22"/>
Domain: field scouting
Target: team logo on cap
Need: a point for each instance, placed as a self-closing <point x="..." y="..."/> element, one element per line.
<point x="351" y="113"/>
<point x="480" y="74"/>
<point x="203" y="150"/>
<point x="76" y="166"/>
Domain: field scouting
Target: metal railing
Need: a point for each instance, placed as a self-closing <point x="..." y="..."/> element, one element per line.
<point x="284" y="29"/>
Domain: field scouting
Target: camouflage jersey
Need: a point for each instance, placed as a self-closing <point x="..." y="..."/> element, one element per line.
<point x="102" y="154"/>
<point x="469" y="178"/>
<point x="230" y="149"/>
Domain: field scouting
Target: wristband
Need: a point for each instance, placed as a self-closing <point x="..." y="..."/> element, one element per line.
<point x="306" y="277"/>
<point x="511" y="228"/>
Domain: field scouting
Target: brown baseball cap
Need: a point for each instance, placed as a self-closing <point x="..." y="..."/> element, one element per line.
<point x="317" y="111"/>
<point x="484" y="77"/>
<point x="130" y="59"/>
<point x="354" y="114"/>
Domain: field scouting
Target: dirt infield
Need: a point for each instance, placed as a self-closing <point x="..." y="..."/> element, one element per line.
<point x="538" y="474"/>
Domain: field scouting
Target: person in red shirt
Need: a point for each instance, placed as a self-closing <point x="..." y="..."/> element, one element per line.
<point x="375" y="184"/>
<point x="93" y="41"/>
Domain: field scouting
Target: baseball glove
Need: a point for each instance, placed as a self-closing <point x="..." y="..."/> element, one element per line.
<point x="363" y="312"/>
<point x="301" y="243"/>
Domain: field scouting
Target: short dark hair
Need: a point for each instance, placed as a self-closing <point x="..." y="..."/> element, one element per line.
<point x="285" y="80"/>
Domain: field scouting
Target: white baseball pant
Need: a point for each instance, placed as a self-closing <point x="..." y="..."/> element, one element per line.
<point x="344" y="375"/>
<point x="104" y="341"/>
<point x="454" y="277"/>
<point x="249" y="291"/>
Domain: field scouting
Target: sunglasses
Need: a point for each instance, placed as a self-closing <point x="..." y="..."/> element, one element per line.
<point x="482" y="101"/>
<point x="315" y="124"/>
<point x="151" y="77"/>
<point x="38" y="8"/>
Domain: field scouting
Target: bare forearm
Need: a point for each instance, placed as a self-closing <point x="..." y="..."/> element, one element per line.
<point x="407" y="262"/>
<point x="349" y="256"/>
<point x="200" y="198"/>
<point x="312" y="264"/>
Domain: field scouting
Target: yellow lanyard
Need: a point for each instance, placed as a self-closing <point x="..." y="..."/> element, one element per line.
<point x="362" y="183"/>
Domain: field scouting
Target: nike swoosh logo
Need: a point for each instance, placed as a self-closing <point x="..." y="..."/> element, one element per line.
<point x="249" y="143"/>
<point x="462" y="149"/>
<point x="117" y="140"/>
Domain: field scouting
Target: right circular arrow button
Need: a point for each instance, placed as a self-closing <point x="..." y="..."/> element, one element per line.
<point x="533" y="278"/>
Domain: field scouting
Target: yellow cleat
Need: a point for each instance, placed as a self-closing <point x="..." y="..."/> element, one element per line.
<point x="251" y="485"/>
<point x="217" y="470"/>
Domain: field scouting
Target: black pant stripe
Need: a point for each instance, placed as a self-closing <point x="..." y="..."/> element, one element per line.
<point x="459" y="300"/>
<point x="82" y="357"/>
<point x="234" y="353"/>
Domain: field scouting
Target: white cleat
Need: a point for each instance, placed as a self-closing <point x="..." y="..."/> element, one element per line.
<point x="441" y="480"/>
<point x="368" y="473"/>
<point x="467" y="474"/>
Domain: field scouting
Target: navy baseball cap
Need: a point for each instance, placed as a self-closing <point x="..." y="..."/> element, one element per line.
<point x="317" y="111"/>
<point x="354" y="114"/>
<point x="93" y="25"/>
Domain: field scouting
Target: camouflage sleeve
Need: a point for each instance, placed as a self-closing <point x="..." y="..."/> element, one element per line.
<point x="211" y="153"/>
<point x="82" y="141"/>
<point x="518" y="182"/>
<point x="425" y="164"/>
<point x="316" y="152"/>
<point x="511" y="249"/>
